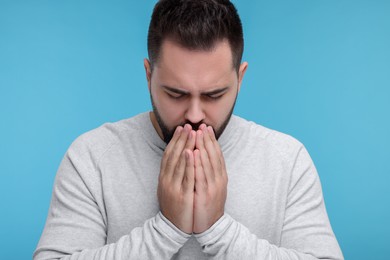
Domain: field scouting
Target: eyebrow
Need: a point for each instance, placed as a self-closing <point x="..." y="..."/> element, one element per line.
<point x="175" y="90"/>
<point x="215" y="91"/>
<point x="183" y="92"/>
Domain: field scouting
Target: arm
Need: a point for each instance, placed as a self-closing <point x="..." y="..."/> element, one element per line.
<point x="76" y="224"/>
<point x="306" y="233"/>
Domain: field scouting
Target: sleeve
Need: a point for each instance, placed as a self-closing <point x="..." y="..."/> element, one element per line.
<point x="76" y="224"/>
<point x="306" y="233"/>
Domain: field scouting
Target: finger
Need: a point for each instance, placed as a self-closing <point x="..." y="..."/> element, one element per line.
<point x="207" y="168"/>
<point x="171" y="144"/>
<point x="218" y="149"/>
<point x="174" y="139"/>
<point x="198" y="140"/>
<point x="213" y="138"/>
<point x="181" y="142"/>
<point x="180" y="169"/>
<point x="189" y="173"/>
<point x="177" y="149"/>
<point x="190" y="145"/>
<point x="212" y="150"/>
<point x="200" y="179"/>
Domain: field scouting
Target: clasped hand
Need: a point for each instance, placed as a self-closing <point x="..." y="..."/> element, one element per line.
<point x="193" y="181"/>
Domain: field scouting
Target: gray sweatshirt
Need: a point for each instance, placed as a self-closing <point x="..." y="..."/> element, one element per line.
<point x="104" y="203"/>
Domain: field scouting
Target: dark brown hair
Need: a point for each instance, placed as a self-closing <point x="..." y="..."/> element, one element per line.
<point x="196" y="25"/>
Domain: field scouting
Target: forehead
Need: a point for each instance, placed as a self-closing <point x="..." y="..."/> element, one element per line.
<point x="198" y="69"/>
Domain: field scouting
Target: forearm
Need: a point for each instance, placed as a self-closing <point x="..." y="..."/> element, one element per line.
<point x="156" y="239"/>
<point x="228" y="239"/>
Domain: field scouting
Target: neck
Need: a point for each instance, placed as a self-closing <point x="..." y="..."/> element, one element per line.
<point x="155" y="124"/>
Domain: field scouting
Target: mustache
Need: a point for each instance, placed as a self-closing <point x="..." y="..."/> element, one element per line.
<point x="195" y="126"/>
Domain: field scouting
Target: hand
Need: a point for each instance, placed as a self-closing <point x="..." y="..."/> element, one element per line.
<point x="176" y="181"/>
<point x="210" y="180"/>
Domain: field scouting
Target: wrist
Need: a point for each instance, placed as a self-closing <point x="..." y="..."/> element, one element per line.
<point x="170" y="229"/>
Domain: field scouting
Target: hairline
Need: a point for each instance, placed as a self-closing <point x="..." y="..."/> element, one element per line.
<point x="204" y="49"/>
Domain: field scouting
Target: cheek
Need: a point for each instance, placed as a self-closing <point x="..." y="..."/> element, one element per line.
<point x="171" y="112"/>
<point x="217" y="112"/>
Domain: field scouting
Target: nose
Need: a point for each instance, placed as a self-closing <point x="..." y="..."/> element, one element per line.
<point x="195" y="113"/>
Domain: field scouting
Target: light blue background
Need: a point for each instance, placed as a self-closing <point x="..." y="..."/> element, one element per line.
<point x="318" y="70"/>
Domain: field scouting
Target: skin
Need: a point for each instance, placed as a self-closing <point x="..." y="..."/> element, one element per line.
<point x="193" y="95"/>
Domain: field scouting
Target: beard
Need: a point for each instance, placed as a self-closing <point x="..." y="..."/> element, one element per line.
<point x="168" y="132"/>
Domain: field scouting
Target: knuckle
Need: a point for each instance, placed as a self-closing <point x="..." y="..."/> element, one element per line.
<point x="218" y="166"/>
<point x="163" y="182"/>
<point x="225" y="178"/>
<point x="221" y="181"/>
<point x="165" y="158"/>
<point x="204" y="187"/>
<point x="169" y="164"/>
<point x="175" y="154"/>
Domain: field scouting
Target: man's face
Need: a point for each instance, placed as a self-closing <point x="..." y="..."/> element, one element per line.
<point x="193" y="87"/>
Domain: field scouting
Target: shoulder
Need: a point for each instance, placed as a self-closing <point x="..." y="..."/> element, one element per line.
<point x="276" y="148"/>
<point x="91" y="145"/>
<point x="268" y="140"/>
<point x="273" y="138"/>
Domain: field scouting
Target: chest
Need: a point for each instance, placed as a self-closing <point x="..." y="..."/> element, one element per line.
<point x="257" y="191"/>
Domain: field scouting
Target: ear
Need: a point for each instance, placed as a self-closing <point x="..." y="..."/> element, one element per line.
<point x="148" y="72"/>
<point x="241" y="73"/>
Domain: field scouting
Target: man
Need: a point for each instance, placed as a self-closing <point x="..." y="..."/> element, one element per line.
<point x="226" y="188"/>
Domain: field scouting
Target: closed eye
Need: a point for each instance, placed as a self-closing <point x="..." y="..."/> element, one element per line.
<point x="216" y="94"/>
<point x="175" y="95"/>
<point x="214" y="97"/>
